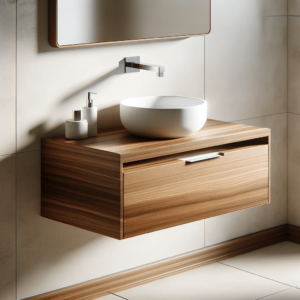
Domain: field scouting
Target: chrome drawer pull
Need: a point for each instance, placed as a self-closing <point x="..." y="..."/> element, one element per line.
<point x="201" y="157"/>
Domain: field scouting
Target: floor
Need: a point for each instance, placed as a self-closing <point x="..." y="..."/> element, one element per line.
<point x="271" y="273"/>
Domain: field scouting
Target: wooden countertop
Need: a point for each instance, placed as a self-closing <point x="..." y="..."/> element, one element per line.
<point x="119" y="143"/>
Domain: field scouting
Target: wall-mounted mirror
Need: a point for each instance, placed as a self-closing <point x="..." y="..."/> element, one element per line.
<point x="88" y="22"/>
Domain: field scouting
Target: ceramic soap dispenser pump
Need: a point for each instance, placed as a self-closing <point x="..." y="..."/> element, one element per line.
<point x="90" y="114"/>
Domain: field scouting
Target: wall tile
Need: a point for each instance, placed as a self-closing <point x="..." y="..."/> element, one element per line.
<point x="7" y="228"/>
<point x="53" y="255"/>
<point x="274" y="7"/>
<point x="7" y="76"/>
<point x="53" y="82"/>
<point x="294" y="169"/>
<point x="293" y="7"/>
<point x="251" y="220"/>
<point x="246" y="59"/>
<point x="294" y="65"/>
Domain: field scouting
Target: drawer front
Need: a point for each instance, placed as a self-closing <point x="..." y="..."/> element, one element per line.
<point x="174" y="193"/>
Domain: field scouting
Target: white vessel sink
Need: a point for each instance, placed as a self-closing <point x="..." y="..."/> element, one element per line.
<point x="163" y="116"/>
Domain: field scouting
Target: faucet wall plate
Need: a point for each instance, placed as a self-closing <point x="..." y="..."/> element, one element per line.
<point x="135" y="60"/>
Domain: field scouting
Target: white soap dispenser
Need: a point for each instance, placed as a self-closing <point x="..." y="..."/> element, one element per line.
<point x="90" y="114"/>
<point x="76" y="128"/>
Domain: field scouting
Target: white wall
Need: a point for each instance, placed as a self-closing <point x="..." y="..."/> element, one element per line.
<point x="240" y="68"/>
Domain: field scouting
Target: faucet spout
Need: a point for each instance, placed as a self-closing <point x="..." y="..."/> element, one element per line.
<point x="132" y="64"/>
<point x="158" y="69"/>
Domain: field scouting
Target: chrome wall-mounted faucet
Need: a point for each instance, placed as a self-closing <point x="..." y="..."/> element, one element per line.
<point x="132" y="65"/>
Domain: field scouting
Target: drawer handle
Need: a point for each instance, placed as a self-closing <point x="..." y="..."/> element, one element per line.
<point x="201" y="157"/>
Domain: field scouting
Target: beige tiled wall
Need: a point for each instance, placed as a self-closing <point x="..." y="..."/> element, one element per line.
<point x="246" y="59"/>
<point x="7" y="150"/>
<point x="240" y="68"/>
<point x="294" y="64"/>
<point x="7" y="76"/>
<point x="7" y="228"/>
<point x="294" y="112"/>
<point x="294" y="169"/>
<point x="230" y="226"/>
<point x="293" y="7"/>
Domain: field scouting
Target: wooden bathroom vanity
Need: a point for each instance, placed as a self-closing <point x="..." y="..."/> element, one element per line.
<point x="121" y="185"/>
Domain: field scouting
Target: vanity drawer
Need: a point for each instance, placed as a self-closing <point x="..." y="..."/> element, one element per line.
<point x="173" y="192"/>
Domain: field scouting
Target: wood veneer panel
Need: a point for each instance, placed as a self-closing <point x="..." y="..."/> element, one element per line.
<point x="52" y="23"/>
<point x="172" y="194"/>
<point x="82" y="188"/>
<point x="120" y="281"/>
<point x="293" y="234"/>
<point x="82" y="182"/>
<point x="118" y="141"/>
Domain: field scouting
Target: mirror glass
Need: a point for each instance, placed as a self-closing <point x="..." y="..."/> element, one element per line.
<point x="103" y="21"/>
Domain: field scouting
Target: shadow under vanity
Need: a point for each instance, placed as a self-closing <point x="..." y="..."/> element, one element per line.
<point x="121" y="185"/>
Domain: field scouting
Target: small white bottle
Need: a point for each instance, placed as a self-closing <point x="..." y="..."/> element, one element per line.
<point x="90" y="114"/>
<point x="76" y="128"/>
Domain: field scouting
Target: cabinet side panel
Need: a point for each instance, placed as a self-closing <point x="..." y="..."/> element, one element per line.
<point x="79" y="193"/>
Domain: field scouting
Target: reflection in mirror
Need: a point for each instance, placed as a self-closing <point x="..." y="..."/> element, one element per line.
<point x="77" y="22"/>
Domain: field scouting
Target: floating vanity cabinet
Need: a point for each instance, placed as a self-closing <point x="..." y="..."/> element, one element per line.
<point x="121" y="185"/>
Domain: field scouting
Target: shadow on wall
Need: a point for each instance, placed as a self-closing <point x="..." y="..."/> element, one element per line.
<point x="105" y="115"/>
<point x="43" y="243"/>
<point x="117" y="71"/>
<point x="44" y="237"/>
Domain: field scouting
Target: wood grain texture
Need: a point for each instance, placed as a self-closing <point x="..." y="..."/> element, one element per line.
<point x="83" y="189"/>
<point x="82" y="180"/>
<point x="132" y="148"/>
<point x="52" y="23"/>
<point x="176" y="193"/>
<point x="127" y="279"/>
<point x="293" y="233"/>
<point x="52" y="32"/>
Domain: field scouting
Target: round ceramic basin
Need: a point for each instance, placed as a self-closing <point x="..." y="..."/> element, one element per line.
<point x="163" y="116"/>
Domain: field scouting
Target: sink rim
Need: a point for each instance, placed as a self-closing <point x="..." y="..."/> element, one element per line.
<point x="124" y="102"/>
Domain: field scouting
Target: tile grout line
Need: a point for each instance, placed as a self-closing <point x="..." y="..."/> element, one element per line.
<point x="287" y="169"/>
<point x="118" y="296"/>
<point x="293" y="113"/>
<point x="287" y="108"/>
<point x="291" y="286"/>
<point x="281" y="113"/>
<point x="204" y="71"/>
<point x="274" y="293"/>
<point x="16" y="148"/>
<point x="27" y="151"/>
<point x="10" y="154"/>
